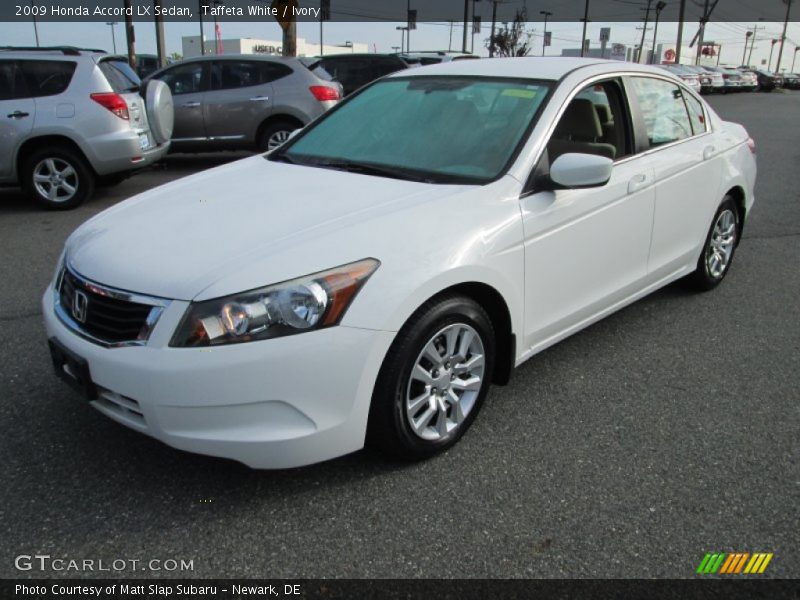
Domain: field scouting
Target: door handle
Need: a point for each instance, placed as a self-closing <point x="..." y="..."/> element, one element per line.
<point x="18" y="114"/>
<point x="708" y="152"/>
<point x="190" y="104"/>
<point x="259" y="98"/>
<point x="637" y="182"/>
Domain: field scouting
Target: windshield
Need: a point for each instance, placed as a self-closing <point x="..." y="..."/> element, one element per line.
<point x="439" y="129"/>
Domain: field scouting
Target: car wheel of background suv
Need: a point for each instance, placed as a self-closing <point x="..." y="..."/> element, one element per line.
<point x="275" y="134"/>
<point x="57" y="177"/>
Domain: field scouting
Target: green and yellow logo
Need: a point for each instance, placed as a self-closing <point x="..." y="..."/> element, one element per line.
<point x="734" y="563"/>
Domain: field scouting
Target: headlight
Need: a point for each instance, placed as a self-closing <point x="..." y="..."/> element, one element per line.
<point x="312" y="302"/>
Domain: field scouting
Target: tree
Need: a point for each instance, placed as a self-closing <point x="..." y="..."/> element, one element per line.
<point x="511" y="40"/>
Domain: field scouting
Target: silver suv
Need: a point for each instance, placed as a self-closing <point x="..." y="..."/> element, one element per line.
<point x="244" y="101"/>
<point x="70" y="119"/>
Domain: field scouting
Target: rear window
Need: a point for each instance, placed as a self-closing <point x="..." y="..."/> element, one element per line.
<point x="120" y="76"/>
<point x="47" y="77"/>
<point x="12" y="85"/>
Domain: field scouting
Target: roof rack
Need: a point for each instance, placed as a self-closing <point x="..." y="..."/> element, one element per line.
<point x="66" y="50"/>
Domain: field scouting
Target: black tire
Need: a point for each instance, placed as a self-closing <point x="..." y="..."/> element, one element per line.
<point x="83" y="179"/>
<point x="702" y="278"/>
<point x="275" y="128"/>
<point x="389" y="429"/>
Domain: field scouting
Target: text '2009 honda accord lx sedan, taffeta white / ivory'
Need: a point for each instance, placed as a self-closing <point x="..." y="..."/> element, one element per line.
<point x="369" y="280"/>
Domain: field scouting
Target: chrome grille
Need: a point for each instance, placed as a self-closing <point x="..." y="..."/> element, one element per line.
<point x="104" y="315"/>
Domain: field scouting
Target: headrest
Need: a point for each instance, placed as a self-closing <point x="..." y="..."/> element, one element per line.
<point x="580" y="121"/>
<point x="603" y="112"/>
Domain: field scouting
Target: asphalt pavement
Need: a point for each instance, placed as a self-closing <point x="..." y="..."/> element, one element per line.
<point x="631" y="449"/>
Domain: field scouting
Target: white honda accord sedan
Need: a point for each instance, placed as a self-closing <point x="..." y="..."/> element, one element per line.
<point x="368" y="281"/>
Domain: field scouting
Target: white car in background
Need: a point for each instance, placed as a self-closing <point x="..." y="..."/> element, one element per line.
<point x="369" y="280"/>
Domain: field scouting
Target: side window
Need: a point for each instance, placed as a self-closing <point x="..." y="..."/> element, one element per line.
<point x="663" y="109"/>
<point x="12" y="85"/>
<point x="184" y="79"/>
<point x="696" y="114"/>
<point x="271" y="71"/>
<point x="47" y="77"/>
<point x="594" y="122"/>
<point x="232" y="74"/>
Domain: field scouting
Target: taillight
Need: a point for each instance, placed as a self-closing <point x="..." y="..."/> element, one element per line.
<point x="113" y="102"/>
<point x="725" y="76"/>
<point x="324" y="93"/>
<point x="751" y="143"/>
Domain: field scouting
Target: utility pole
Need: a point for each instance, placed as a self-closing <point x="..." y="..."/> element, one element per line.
<point x="201" y="6"/>
<point x="466" y="19"/>
<point x="783" y="35"/>
<point x="679" y="42"/>
<point x="112" y="24"/>
<point x="644" y="30"/>
<point x="701" y="33"/>
<point x="746" y="40"/>
<point x="130" y="34"/>
<point x="161" y="49"/>
<point x="408" y="24"/>
<point x="546" y="14"/>
<point x="753" y="43"/>
<point x="450" y="41"/>
<point x="491" y="34"/>
<point x="659" y="7"/>
<point x="585" y="23"/>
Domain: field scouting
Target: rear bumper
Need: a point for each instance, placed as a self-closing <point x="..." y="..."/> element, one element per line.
<point x="118" y="152"/>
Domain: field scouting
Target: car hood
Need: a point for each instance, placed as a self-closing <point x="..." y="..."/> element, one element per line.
<point x="178" y="239"/>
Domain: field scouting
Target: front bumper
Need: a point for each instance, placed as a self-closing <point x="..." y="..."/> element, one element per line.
<point x="279" y="403"/>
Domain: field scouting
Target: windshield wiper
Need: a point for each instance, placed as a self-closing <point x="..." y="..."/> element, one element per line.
<point x="370" y="169"/>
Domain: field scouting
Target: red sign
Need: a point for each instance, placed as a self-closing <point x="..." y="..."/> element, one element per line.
<point x="669" y="55"/>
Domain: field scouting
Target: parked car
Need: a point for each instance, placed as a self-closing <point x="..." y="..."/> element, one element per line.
<point x="768" y="81"/>
<point x="354" y="71"/>
<point x="791" y="81"/>
<point x="372" y="277"/>
<point x="705" y="78"/>
<point x="690" y="78"/>
<point x="717" y="81"/>
<point x="243" y="101"/>
<point x="435" y="57"/>
<point x="749" y="79"/>
<point x="732" y="77"/>
<point x="74" y="118"/>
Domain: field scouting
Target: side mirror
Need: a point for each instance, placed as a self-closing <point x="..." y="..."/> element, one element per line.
<point x="574" y="170"/>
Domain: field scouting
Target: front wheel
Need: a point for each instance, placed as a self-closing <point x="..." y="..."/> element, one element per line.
<point x="720" y="245"/>
<point x="433" y="380"/>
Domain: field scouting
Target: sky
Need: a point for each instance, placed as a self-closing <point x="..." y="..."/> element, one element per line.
<point x="428" y="36"/>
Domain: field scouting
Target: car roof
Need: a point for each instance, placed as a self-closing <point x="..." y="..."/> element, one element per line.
<point x="547" y="68"/>
<point x="266" y="57"/>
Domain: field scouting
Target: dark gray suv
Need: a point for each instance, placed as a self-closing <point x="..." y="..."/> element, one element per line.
<point x="243" y="101"/>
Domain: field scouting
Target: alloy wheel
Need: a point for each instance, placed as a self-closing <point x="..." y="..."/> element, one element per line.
<point x="721" y="244"/>
<point x="445" y="382"/>
<point x="277" y="139"/>
<point x="55" y="179"/>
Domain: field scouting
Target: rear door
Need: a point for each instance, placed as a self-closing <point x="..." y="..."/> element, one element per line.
<point x="240" y="98"/>
<point x="188" y="83"/>
<point x="688" y="169"/>
<point x="17" y="112"/>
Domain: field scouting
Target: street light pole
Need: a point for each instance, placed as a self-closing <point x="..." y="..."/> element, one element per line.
<point x="644" y="30"/>
<point x="546" y="14"/>
<point x="771" y="48"/>
<point x="744" y="54"/>
<point x="202" y="33"/>
<point x="112" y="24"/>
<point x="35" y="26"/>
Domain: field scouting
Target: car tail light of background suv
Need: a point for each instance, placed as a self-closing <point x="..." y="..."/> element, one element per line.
<point x="323" y="93"/>
<point x="113" y="102"/>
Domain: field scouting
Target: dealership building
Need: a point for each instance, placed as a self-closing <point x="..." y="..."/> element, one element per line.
<point x="191" y="47"/>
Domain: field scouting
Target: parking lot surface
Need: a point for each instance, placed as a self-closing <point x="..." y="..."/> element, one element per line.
<point x="666" y="431"/>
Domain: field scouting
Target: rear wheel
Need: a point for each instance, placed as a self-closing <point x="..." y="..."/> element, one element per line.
<point x="276" y="134"/>
<point x="434" y="379"/>
<point x="717" y="255"/>
<point x="58" y="178"/>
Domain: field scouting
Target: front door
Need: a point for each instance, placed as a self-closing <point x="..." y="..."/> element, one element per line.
<point x="586" y="249"/>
